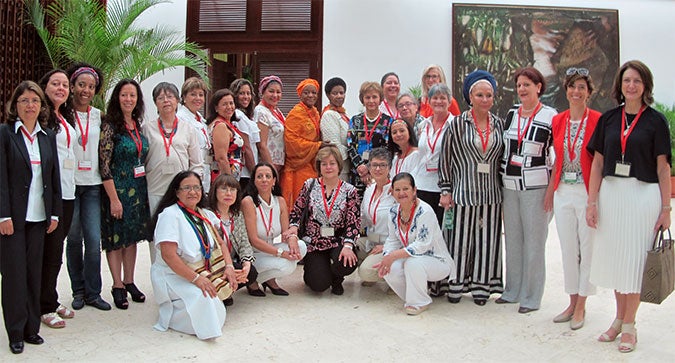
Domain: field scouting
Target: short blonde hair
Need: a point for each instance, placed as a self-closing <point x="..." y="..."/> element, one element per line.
<point x="370" y="87"/>
<point x="326" y="151"/>
<point x="190" y="84"/>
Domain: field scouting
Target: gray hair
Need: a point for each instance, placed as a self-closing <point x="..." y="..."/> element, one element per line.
<point x="440" y="88"/>
<point x="380" y="153"/>
<point x="409" y="95"/>
<point x="167" y="88"/>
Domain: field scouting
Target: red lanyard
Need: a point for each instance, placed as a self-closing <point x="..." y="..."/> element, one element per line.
<point x="65" y="127"/>
<point x="483" y="141"/>
<point x="571" y="145"/>
<point x="333" y="197"/>
<point x="312" y="116"/>
<point x="27" y="135"/>
<point x="410" y="222"/>
<point x="433" y="147"/>
<point x="206" y="246"/>
<point x="625" y="133"/>
<point x="373" y="216"/>
<point x="529" y="122"/>
<point x="369" y="136"/>
<point x="275" y="111"/>
<point x="85" y="134"/>
<point x="137" y="140"/>
<point x="268" y="227"/>
<point x="226" y="236"/>
<point x="229" y="124"/>
<point x="391" y="114"/>
<point x="167" y="141"/>
<point x="399" y="162"/>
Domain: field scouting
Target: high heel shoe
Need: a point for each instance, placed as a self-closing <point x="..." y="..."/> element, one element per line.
<point x="120" y="298"/>
<point x="611" y="333"/>
<point x="136" y="294"/>
<point x="255" y="292"/>
<point x="628" y="344"/>
<point x="275" y="291"/>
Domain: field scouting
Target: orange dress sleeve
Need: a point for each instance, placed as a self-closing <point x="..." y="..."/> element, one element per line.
<point x="302" y="136"/>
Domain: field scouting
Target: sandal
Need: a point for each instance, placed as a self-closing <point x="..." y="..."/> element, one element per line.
<point x="64" y="312"/>
<point x="53" y="320"/>
<point x="136" y="294"/>
<point x="416" y="310"/>
<point x="628" y="338"/>
<point x="120" y="298"/>
<point x="611" y="333"/>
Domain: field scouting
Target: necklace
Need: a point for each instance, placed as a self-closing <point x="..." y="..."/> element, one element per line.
<point x="526" y="110"/>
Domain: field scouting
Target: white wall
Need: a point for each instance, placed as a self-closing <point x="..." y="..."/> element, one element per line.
<point x="363" y="39"/>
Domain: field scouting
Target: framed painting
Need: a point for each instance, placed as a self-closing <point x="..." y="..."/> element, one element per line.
<point x="501" y="39"/>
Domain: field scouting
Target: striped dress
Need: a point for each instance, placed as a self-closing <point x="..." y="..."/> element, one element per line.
<point x="471" y="175"/>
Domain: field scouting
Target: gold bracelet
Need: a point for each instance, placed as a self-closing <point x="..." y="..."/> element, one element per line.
<point x="667" y="207"/>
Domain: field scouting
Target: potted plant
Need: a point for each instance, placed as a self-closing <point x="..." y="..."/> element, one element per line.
<point x="669" y="112"/>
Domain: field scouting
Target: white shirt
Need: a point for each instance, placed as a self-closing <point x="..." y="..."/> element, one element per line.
<point x="275" y="134"/>
<point x="250" y="128"/>
<point x="374" y="213"/>
<point x="410" y="164"/>
<point x="430" y="145"/>
<point x="36" y="205"/>
<point x="262" y="224"/>
<point x="86" y="170"/>
<point x="203" y="137"/>
<point x="67" y="160"/>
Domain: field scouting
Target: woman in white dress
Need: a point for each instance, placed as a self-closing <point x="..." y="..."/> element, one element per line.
<point x="266" y="216"/>
<point x="188" y="301"/>
<point x="414" y="252"/>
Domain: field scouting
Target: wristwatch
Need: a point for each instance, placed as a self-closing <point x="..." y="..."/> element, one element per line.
<point x="445" y="192"/>
<point x="280" y="251"/>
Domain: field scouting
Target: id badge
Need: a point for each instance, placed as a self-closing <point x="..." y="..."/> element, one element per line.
<point x="483" y="168"/>
<point x="516" y="160"/>
<point x="139" y="171"/>
<point x="432" y="165"/>
<point x="69" y="164"/>
<point x="84" y="165"/>
<point x="570" y="177"/>
<point x="532" y="148"/>
<point x="622" y="169"/>
<point x="327" y="231"/>
<point x="167" y="169"/>
<point x="366" y="155"/>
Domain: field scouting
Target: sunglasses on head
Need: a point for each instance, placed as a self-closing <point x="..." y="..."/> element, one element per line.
<point x="579" y="71"/>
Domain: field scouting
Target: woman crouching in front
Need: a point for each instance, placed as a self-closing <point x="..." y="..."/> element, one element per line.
<point x="414" y="251"/>
<point x="188" y="302"/>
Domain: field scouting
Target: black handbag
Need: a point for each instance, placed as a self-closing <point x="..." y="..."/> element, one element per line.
<point x="302" y="223"/>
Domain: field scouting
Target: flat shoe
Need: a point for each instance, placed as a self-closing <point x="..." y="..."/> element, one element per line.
<point x="64" y="312"/>
<point x="16" y="347"/>
<point x="228" y="302"/>
<point x="480" y="302"/>
<point x="34" y="339"/>
<point x="454" y="300"/>
<point x="337" y="290"/>
<point x="99" y="304"/>
<point x="503" y="301"/>
<point x="416" y="310"/>
<point x="524" y="310"/>
<point x="576" y="325"/>
<point x="53" y="320"/>
<point x="563" y="317"/>
<point x="78" y="302"/>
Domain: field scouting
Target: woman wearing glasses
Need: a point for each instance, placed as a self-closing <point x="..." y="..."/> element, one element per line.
<point x="408" y="108"/>
<point x="568" y="191"/>
<point x="433" y="74"/>
<point x="628" y="194"/>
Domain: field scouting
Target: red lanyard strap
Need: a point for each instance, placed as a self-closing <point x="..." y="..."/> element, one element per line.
<point x="432" y="147"/>
<point x="65" y="127"/>
<point x="27" y="135"/>
<point x="571" y="145"/>
<point x="202" y="235"/>
<point x="333" y="198"/>
<point x="85" y="134"/>
<point x="522" y="134"/>
<point x="483" y="140"/>
<point x="369" y="136"/>
<point x="373" y="216"/>
<point x="268" y="226"/>
<point x="167" y="140"/>
<point x="404" y="240"/>
<point x="137" y="140"/>
<point x="391" y="114"/>
<point x="625" y="133"/>
<point x="226" y="236"/>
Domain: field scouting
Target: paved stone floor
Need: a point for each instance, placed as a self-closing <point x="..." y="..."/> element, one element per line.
<point x="365" y="324"/>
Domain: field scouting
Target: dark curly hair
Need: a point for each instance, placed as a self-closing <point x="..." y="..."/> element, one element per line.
<point x="65" y="109"/>
<point x="114" y="113"/>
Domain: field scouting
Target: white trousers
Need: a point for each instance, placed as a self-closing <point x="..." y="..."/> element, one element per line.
<point x="272" y="267"/>
<point x="576" y="237"/>
<point x="408" y="278"/>
<point x="366" y="270"/>
<point x="153" y="202"/>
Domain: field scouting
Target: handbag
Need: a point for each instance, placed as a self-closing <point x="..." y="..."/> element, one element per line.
<point x="658" y="279"/>
<point x="302" y="223"/>
<point x="216" y="270"/>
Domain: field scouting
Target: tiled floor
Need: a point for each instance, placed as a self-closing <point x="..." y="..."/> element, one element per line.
<point x="365" y="324"/>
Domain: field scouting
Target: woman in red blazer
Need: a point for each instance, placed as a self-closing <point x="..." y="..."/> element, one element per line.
<point x="568" y="191"/>
<point x="30" y="205"/>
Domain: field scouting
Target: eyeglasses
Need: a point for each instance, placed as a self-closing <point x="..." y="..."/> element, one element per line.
<point x="579" y="71"/>
<point x="432" y="76"/>
<point x="401" y="106"/>
<point x="226" y="189"/>
<point x="27" y="101"/>
<point x="194" y="188"/>
<point x="379" y="165"/>
<point x="169" y="97"/>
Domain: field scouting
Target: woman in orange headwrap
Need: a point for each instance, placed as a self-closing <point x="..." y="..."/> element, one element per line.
<point x="303" y="139"/>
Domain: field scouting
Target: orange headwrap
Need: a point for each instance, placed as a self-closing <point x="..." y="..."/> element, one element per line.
<point x="305" y="83"/>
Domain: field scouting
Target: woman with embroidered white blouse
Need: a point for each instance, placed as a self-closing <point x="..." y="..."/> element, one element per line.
<point x="192" y="98"/>
<point x="271" y="122"/>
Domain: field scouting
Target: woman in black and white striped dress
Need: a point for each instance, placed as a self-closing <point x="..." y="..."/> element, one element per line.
<point x="469" y="181"/>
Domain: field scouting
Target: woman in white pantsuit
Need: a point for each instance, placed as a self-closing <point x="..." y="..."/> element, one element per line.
<point x="567" y="193"/>
<point x="414" y="252"/>
<point x="628" y="194"/>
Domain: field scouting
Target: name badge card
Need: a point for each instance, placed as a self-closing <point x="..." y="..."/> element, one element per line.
<point x="622" y="169"/>
<point x="483" y="168"/>
<point x="139" y="171"/>
<point x="570" y="177"/>
<point x="327" y="232"/>
<point x="532" y="148"/>
<point x="366" y="155"/>
<point x="516" y="160"/>
<point x="69" y="164"/>
<point x="84" y="165"/>
<point x="167" y="169"/>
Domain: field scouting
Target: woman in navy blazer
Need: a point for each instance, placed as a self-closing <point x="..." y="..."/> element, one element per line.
<point x="30" y="204"/>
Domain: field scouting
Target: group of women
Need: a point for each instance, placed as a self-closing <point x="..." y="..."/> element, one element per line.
<point x="409" y="191"/>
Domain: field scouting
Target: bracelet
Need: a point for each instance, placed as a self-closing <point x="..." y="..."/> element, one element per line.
<point x="293" y="235"/>
<point x="667" y="207"/>
<point x="348" y="246"/>
<point x="195" y="279"/>
<point x="226" y="266"/>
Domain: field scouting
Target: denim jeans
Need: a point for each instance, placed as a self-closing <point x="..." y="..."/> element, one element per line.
<point x="84" y="269"/>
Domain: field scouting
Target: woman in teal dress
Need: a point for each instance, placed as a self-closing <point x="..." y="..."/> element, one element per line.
<point x="125" y="210"/>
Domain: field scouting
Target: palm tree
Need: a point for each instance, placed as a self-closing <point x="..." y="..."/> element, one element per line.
<point x="106" y="37"/>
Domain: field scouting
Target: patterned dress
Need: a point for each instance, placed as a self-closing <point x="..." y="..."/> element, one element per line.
<point x="118" y="156"/>
<point x="363" y="136"/>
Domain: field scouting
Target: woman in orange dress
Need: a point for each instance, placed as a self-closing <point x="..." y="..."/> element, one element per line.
<point x="303" y="139"/>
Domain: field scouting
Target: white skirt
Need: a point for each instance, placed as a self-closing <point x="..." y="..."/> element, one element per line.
<point x="627" y="212"/>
